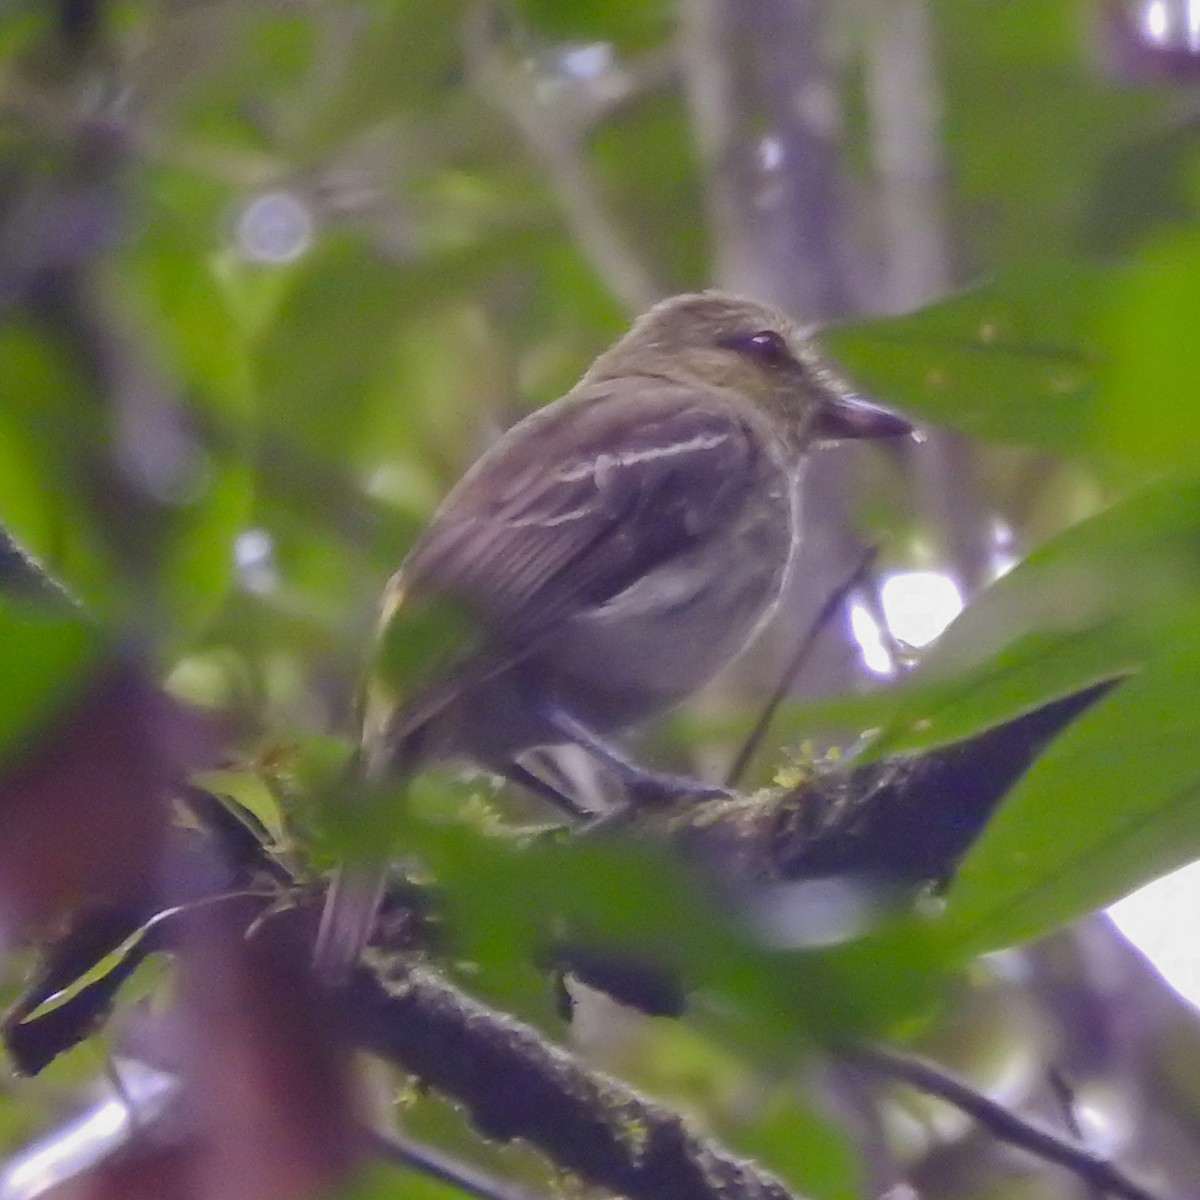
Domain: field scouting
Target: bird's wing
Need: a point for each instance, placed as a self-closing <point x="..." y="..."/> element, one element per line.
<point x="598" y="491"/>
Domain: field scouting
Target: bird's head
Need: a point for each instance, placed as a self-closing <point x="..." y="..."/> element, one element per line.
<point x="716" y="340"/>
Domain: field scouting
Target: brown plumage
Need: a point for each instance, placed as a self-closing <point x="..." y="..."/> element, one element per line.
<point x="614" y="550"/>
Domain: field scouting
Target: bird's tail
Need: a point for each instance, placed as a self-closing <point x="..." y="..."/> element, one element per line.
<point x="392" y="739"/>
<point x="389" y="751"/>
<point x="413" y="682"/>
<point x="356" y="890"/>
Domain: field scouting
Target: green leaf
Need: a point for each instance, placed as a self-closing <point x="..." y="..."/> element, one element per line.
<point x="631" y="25"/>
<point x="64" y="491"/>
<point x="169" y="285"/>
<point x="51" y="432"/>
<point x="1016" y="360"/>
<point x="196" y="562"/>
<point x="1112" y="803"/>
<point x="384" y="1181"/>
<point x="443" y="370"/>
<point x="806" y="1147"/>
<point x="46" y="658"/>
<point x="1093" y="603"/>
<point x="509" y="901"/>
<point x="249" y="790"/>
<point x="1148" y="406"/>
<point x="1038" y="138"/>
<point x="176" y="285"/>
<point x="328" y="340"/>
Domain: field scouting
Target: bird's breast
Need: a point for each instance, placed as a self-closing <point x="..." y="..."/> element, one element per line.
<point x="663" y="637"/>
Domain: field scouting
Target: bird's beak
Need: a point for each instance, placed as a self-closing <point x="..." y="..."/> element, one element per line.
<point x="853" y="418"/>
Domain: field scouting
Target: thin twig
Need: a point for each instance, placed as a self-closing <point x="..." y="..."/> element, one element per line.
<point x="1092" y="1168"/>
<point x="835" y="601"/>
<point x="396" y="1148"/>
<point x="1064" y="1096"/>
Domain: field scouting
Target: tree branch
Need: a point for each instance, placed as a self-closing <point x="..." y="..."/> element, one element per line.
<point x="905" y="819"/>
<point x="1001" y="1122"/>
<point x="911" y="817"/>
<point x="515" y="1084"/>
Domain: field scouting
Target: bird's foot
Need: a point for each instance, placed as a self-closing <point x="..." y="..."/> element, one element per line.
<point x="648" y="790"/>
<point x="643" y="788"/>
<point x="658" y="789"/>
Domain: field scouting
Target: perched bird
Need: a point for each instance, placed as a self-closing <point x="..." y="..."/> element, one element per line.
<point x="610" y="553"/>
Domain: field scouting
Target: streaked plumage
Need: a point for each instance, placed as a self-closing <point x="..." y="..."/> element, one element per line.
<point x="614" y="550"/>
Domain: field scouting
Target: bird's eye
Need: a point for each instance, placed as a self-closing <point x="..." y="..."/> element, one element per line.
<point x="766" y="346"/>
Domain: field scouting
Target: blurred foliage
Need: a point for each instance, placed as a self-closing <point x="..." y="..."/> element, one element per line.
<point x="273" y="274"/>
<point x="44" y="658"/>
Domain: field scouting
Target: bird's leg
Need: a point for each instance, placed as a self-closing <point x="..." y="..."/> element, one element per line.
<point x="544" y="790"/>
<point x="642" y="786"/>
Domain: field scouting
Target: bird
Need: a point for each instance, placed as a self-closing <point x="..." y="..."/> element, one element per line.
<point x="604" y="558"/>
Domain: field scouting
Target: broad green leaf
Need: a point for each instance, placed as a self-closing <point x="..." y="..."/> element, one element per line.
<point x="388" y="1181"/>
<point x="1149" y="406"/>
<point x="1089" y="605"/>
<point x="631" y="25"/>
<point x="1037" y="135"/>
<point x="123" y="548"/>
<point x="1016" y="360"/>
<point x="46" y="658"/>
<point x="250" y="791"/>
<point x="170" y="290"/>
<point x="508" y="902"/>
<point x="444" y="374"/>
<point x="174" y="283"/>
<point x="1094" y="603"/>
<point x="196" y="561"/>
<point x="51" y="431"/>
<point x="1112" y="803"/>
<point x="924" y="713"/>
<point x="17" y="27"/>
